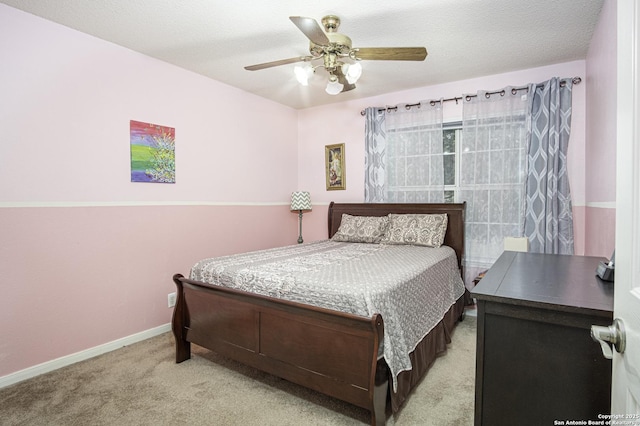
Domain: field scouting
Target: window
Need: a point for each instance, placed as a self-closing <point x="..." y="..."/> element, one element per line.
<point x="417" y="170"/>
<point x="414" y="172"/>
<point x="450" y="145"/>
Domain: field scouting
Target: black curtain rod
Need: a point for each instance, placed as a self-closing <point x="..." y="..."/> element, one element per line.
<point x="574" y="80"/>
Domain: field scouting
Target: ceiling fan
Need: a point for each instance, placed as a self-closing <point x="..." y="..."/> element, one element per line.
<point x="339" y="58"/>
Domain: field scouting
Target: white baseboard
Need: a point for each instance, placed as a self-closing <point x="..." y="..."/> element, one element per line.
<point x="54" y="364"/>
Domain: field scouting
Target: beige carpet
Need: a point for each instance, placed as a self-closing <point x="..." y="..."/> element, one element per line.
<point x="142" y="385"/>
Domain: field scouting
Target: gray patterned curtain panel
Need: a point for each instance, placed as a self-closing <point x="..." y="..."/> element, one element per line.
<point x="549" y="219"/>
<point x="374" y="160"/>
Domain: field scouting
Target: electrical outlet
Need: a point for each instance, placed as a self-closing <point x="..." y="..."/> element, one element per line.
<point x="171" y="297"/>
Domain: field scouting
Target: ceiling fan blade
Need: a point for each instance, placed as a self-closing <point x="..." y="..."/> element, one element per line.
<point x="275" y="63"/>
<point x="391" y="53"/>
<point x="311" y="29"/>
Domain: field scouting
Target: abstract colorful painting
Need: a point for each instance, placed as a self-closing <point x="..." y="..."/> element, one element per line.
<point x="153" y="156"/>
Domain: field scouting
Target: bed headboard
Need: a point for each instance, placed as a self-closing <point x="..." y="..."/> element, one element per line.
<point x="454" y="237"/>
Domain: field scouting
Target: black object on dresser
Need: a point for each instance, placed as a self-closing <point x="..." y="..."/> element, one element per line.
<point x="536" y="362"/>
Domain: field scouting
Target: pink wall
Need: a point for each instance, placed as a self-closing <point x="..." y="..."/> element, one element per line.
<point x="67" y="101"/>
<point x="600" y="159"/>
<point x="86" y="256"/>
<point x="78" y="277"/>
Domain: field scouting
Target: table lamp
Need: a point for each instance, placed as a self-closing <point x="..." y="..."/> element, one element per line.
<point x="300" y="200"/>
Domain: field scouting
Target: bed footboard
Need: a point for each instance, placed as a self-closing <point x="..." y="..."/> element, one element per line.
<point x="328" y="351"/>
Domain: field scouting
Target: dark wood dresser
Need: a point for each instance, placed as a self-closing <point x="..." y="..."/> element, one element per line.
<point x="536" y="362"/>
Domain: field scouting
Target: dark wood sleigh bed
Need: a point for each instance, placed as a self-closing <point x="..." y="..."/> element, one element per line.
<point x="332" y="352"/>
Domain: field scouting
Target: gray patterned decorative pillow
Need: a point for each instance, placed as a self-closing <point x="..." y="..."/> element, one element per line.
<point x="361" y="229"/>
<point x="416" y="229"/>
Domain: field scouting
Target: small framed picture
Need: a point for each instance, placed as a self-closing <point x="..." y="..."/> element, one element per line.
<point x="334" y="166"/>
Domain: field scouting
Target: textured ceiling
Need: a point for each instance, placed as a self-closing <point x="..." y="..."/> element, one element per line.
<point x="464" y="38"/>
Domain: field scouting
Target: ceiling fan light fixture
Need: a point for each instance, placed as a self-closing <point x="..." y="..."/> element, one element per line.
<point x="333" y="86"/>
<point x="303" y="73"/>
<point x="330" y="46"/>
<point x="352" y="72"/>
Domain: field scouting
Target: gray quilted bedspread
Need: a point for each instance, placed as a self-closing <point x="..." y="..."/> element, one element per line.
<point x="412" y="287"/>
